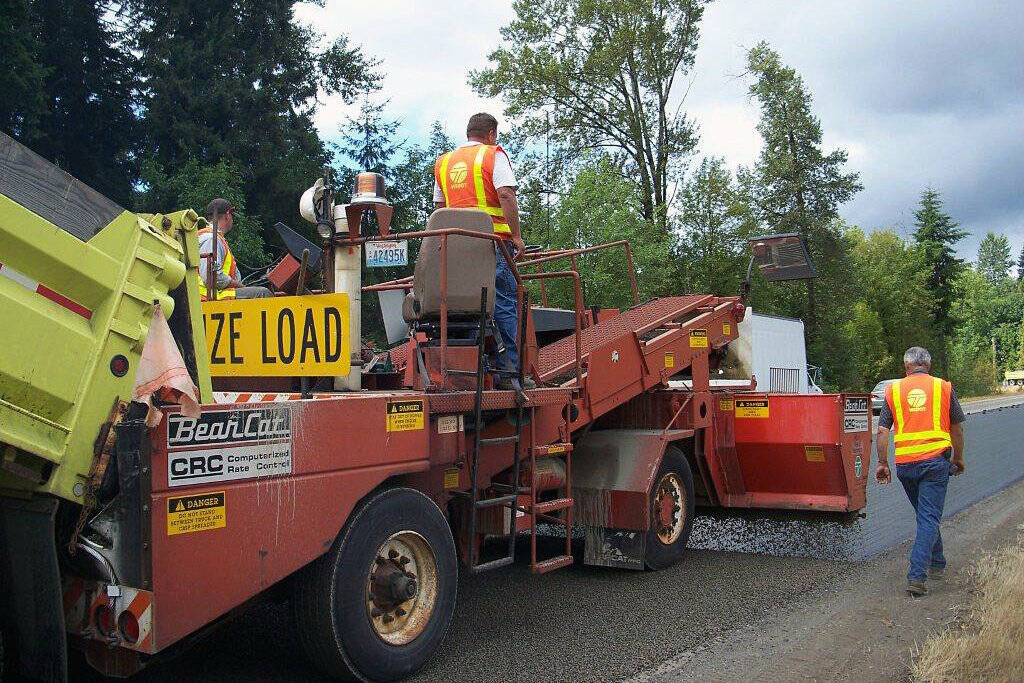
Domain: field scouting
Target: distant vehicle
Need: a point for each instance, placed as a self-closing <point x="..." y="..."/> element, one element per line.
<point x="1014" y="378"/>
<point x="878" y="395"/>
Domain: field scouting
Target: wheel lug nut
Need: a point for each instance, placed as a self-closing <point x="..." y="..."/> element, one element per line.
<point x="392" y="554"/>
<point x="403" y="561"/>
<point x="380" y="560"/>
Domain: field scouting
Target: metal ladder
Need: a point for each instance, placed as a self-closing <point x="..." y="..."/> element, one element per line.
<point x="510" y="500"/>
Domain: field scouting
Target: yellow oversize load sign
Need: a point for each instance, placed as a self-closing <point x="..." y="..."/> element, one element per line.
<point x="285" y="335"/>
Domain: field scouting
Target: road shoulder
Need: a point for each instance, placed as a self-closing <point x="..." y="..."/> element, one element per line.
<point x="865" y="627"/>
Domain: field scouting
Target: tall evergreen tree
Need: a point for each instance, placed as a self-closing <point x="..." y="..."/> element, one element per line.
<point x="796" y="187"/>
<point x="78" y="105"/>
<point x="21" y="73"/>
<point x="994" y="258"/>
<point x="1020" y="266"/>
<point x="936" y="234"/>
<point x="240" y="81"/>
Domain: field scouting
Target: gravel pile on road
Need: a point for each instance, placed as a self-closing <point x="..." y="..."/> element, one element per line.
<point x="825" y="539"/>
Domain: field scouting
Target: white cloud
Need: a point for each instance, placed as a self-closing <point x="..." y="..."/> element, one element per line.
<point x="919" y="92"/>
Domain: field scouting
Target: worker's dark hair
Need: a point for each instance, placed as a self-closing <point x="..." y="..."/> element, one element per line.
<point x="480" y="125"/>
<point x="219" y="206"/>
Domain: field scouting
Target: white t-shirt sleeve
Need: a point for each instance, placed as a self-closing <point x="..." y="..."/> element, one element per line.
<point x="438" y="195"/>
<point x="503" y="174"/>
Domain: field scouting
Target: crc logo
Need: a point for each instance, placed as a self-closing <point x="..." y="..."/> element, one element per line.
<point x="457" y="173"/>
<point x="188" y="466"/>
<point x="916" y="399"/>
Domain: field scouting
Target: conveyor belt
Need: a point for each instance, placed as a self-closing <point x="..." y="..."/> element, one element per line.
<point x="556" y="359"/>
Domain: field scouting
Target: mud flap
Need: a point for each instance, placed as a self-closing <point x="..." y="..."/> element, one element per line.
<point x="613" y="470"/>
<point x="622" y="548"/>
<point x="30" y="590"/>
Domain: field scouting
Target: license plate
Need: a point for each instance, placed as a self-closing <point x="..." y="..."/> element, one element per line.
<point x="380" y="254"/>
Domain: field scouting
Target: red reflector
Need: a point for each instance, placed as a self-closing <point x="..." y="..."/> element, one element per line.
<point x="119" y="365"/>
<point x="104" y="617"/>
<point x="129" y="626"/>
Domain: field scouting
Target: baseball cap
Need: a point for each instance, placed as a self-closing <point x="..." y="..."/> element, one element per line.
<point x="220" y="206"/>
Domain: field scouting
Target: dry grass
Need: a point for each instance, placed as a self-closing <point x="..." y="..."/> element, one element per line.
<point x="989" y="644"/>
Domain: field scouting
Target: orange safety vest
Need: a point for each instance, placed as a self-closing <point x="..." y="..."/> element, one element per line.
<point x="466" y="178"/>
<point x="920" y="414"/>
<point x="228" y="267"/>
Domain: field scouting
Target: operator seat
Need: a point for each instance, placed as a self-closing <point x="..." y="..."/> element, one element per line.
<point x="471" y="264"/>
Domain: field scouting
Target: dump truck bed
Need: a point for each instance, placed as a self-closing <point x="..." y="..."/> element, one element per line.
<point x="79" y="279"/>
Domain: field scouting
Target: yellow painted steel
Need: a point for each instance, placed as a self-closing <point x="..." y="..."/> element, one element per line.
<point x="56" y="385"/>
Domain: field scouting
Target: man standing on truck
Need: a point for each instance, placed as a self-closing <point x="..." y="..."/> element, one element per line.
<point x="229" y="286"/>
<point x="478" y="175"/>
<point x="929" y="446"/>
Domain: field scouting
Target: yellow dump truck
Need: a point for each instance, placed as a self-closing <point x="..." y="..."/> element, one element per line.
<point x="80" y="280"/>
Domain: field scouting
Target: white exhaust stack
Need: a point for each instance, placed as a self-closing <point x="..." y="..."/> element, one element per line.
<point x="348" y="278"/>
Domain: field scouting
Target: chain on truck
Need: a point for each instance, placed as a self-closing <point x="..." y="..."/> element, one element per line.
<point x="349" y="481"/>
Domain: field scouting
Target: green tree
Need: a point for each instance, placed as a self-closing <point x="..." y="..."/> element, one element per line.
<point x="600" y="206"/>
<point x="21" y="73"/>
<point x="974" y="318"/>
<point x="414" y="177"/>
<point x="870" y="358"/>
<point x="795" y="187"/>
<point x="712" y="228"/>
<point x="240" y="82"/>
<point x="78" y="106"/>
<point x="994" y="258"/>
<point x="1020" y="266"/>
<point x="936" y="235"/>
<point x="891" y="278"/>
<point x="193" y="185"/>
<point x="603" y="75"/>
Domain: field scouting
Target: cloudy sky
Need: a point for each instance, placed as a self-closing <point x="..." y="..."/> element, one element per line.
<point x="919" y="92"/>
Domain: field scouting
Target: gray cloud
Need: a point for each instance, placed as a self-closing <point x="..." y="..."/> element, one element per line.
<point x="922" y="93"/>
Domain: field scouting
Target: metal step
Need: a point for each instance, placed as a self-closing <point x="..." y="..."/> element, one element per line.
<point x="552" y="564"/>
<point x="494" y="502"/>
<point x="495" y="564"/>
<point x="552" y="505"/>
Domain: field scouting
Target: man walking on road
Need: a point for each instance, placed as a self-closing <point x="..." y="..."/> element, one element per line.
<point x="478" y="175"/>
<point x="929" y="447"/>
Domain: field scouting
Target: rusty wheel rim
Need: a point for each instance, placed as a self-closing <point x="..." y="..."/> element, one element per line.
<point x="401" y="588"/>
<point x="669" y="501"/>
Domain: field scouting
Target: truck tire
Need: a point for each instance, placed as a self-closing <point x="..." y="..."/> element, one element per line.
<point x="378" y="604"/>
<point x="672" y="510"/>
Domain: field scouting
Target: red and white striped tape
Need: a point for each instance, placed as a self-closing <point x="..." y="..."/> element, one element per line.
<point x="56" y="297"/>
<point x="242" y="397"/>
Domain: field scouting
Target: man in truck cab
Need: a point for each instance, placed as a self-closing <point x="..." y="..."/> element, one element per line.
<point x="229" y="286"/>
<point x="928" y="443"/>
<point x="478" y="175"/>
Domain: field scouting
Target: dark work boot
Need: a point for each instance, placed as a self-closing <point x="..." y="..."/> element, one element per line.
<point x="917" y="588"/>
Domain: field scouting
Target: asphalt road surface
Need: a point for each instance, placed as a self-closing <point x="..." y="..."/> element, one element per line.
<point x="597" y="624"/>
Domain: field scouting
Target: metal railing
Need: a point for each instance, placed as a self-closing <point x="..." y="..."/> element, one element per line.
<point x="522" y="301"/>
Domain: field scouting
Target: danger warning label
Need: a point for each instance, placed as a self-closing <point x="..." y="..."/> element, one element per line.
<point x="404" y="416"/>
<point x="752" y="407"/>
<point x="203" y="511"/>
<point x="698" y="339"/>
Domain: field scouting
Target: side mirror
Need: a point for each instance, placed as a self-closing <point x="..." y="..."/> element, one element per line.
<point x="781" y="257"/>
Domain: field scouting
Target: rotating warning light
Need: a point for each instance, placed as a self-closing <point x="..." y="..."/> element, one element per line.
<point x="369" y="188"/>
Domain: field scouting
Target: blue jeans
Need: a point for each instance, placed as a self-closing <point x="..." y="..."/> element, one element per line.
<point x="506" y="311"/>
<point x="925" y="482"/>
